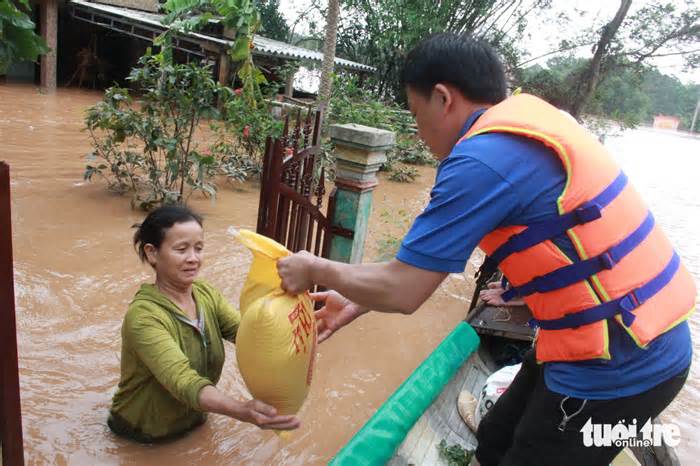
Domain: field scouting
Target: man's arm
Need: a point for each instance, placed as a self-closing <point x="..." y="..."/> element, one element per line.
<point x="386" y="287"/>
<point x="468" y="200"/>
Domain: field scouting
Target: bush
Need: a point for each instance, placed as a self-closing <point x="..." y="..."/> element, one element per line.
<point x="403" y="174"/>
<point x="352" y="104"/>
<point x="412" y="151"/>
<point x="247" y="124"/>
<point x="150" y="147"/>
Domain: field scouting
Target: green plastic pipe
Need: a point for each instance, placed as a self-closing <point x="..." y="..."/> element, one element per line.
<point x="376" y="442"/>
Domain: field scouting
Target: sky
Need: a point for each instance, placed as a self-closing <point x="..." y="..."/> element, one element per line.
<point x="544" y="34"/>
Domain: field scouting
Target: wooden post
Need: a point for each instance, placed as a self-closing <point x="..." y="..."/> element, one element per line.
<point x="289" y="86"/>
<point x="224" y="69"/>
<point x="10" y="408"/>
<point x="48" y="9"/>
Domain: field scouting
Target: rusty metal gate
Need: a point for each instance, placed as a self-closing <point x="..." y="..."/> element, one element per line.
<point x="293" y="189"/>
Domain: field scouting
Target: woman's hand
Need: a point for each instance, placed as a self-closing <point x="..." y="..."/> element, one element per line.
<point x="211" y="399"/>
<point x="264" y="416"/>
<point x="337" y="312"/>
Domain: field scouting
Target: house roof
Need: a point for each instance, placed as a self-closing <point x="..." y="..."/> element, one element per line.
<point x="147" y="24"/>
<point x="264" y="46"/>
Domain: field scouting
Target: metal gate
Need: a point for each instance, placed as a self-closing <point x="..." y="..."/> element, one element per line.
<point x="10" y="410"/>
<point x="293" y="189"/>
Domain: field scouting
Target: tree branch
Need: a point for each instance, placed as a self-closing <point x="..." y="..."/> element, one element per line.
<point x="553" y="52"/>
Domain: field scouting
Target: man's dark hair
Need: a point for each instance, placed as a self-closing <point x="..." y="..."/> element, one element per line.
<point x="154" y="227"/>
<point x="470" y="65"/>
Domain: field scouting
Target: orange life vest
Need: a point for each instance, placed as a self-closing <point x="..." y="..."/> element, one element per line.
<point x="627" y="268"/>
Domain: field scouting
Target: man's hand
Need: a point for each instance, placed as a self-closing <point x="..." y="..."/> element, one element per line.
<point x="337" y="312"/>
<point x="492" y="296"/>
<point x="296" y="272"/>
<point x="264" y="416"/>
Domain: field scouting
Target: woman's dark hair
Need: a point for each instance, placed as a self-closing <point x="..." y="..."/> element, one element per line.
<point x="153" y="228"/>
<point x="470" y="65"/>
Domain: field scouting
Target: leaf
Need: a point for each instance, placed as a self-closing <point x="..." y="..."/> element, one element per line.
<point x="19" y="43"/>
<point x="240" y="49"/>
<point x="454" y="454"/>
<point x="178" y="6"/>
<point x="259" y="76"/>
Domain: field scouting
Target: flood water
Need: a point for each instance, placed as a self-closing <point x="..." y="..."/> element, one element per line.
<point x="75" y="272"/>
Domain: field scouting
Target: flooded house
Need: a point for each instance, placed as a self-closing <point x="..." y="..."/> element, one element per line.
<point x="96" y="43"/>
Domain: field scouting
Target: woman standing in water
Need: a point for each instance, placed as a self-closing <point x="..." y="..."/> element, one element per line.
<point x="172" y="340"/>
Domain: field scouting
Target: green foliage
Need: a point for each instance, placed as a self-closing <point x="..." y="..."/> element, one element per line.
<point x="553" y="83"/>
<point x="242" y="133"/>
<point x="620" y="98"/>
<point x="18" y="41"/>
<point x="273" y="23"/>
<point x="649" y="30"/>
<point x="403" y="174"/>
<point x="240" y="19"/>
<point x="669" y="96"/>
<point x="382" y="33"/>
<point x="659" y="28"/>
<point x="149" y="148"/>
<point x="455" y="455"/>
<point x="627" y="94"/>
<point x="352" y="104"/>
<point x="412" y="151"/>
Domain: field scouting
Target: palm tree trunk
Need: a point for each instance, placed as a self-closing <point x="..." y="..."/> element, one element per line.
<point x="324" y="91"/>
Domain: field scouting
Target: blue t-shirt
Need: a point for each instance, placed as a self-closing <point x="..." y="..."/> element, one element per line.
<point x="495" y="180"/>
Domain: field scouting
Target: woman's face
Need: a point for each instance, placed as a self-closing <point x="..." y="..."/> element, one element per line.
<point x="179" y="257"/>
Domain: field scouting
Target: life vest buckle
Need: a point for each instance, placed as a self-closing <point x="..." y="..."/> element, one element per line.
<point x="607" y="260"/>
<point x="630" y="301"/>
<point x="587" y="213"/>
<point x="627" y="304"/>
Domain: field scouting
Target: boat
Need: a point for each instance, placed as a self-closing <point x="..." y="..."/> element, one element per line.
<point x="409" y="427"/>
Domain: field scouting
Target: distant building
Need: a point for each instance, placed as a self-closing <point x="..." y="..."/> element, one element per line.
<point x="666" y="122"/>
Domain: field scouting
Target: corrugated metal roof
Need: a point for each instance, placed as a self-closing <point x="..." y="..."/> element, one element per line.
<point x="265" y="46"/>
<point x="261" y="45"/>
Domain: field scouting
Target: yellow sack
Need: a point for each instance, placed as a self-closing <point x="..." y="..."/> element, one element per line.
<point x="276" y="340"/>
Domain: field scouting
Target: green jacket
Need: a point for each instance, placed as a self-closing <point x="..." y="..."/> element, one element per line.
<point x="166" y="360"/>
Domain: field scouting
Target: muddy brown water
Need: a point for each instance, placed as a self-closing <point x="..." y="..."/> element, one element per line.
<point x="75" y="272"/>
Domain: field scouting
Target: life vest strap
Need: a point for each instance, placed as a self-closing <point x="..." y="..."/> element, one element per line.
<point x="541" y="231"/>
<point x="623" y="305"/>
<point x="579" y="271"/>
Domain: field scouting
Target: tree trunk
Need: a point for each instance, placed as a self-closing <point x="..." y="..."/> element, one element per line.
<point x="591" y="77"/>
<point x="324" y="90"/>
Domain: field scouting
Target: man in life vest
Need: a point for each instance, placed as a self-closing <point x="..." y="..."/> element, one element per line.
<point x="553" y="211"/>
